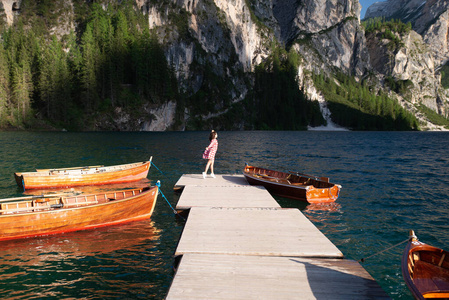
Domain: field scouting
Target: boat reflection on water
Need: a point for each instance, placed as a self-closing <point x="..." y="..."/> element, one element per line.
<point x="330" y="207"/>
<point x="325" y="216"/>
<point x="304" y="207"/>
<point x="78" y="244"/>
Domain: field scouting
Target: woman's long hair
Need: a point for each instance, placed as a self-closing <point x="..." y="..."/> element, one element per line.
<point x="212" y="135"/>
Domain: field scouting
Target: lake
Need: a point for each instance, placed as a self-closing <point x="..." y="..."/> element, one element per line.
<point x="391" y="182"/>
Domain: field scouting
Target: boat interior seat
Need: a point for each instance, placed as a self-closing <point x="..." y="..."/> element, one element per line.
<point x="431" y="279"/>
<point x="47" y="203"/>
<point x="78" y="200"/>
<point x="15" y="207"/>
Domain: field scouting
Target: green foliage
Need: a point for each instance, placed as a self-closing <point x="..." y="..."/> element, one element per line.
<point x="445" y="76"/>
<point x="353" y="105"/>
<point x="181" y="21"/>
<point x="113" y="60"/>
<point x="398" y="86"/>
<point x="3" y="22"/>
<point x="381" y="24"/>
<point x="434" y="117"/>
<point x="4" y="88"/>
<point x="391" y="30"/>
<point x="20" y="52"/>
<point x="251" y="7"/>
<point x="278" y="103"/>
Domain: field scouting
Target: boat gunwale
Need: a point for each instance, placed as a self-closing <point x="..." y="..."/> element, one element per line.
<point x="68" y="171"/>
<point x="82" y="206"/>
<point x="149" y="193"/>
<point x="293" y="190"/>
<point x="304" y="186"/>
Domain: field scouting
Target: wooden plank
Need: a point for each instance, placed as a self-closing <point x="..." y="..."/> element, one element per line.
<point x="213" y="276"/>
<point x="253" y="231"/>
<point x="220" y="180"/>
<point x="225" y="196"/>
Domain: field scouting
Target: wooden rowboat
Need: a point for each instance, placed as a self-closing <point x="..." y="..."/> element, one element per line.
<point x="78" y="176"/>
<point x="293" y="185"/>
<point x="425" y="270"/>
<point x="49" y="214"/>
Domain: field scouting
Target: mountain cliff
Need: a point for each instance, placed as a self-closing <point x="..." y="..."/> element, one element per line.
<point x="423" y="53"/>
<point x="247" y="64"/>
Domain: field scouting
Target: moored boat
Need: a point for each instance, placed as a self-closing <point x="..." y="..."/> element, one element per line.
<point x="79" y="176"/>
<point x="49" y="214"/>
<point x="425" y="269"/>
<point x="293" y="185"/>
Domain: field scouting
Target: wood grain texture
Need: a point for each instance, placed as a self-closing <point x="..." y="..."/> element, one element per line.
<point x="212" y="276"/>
<point x="225" y="196"/>
<point x="76" y="213"/>
<point x="253" y="231"/>
<point x="78" y="177"/>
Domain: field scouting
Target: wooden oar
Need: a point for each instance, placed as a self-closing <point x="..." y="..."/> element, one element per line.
<point x="35" y="197"/>
<point x="74" y="168"/>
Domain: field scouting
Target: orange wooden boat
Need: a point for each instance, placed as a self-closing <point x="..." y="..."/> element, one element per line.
<point x="293" y="185"/>
<point x="425" y="270"/>
<point x="49" y="214"/>
<point x="78" y="176"/>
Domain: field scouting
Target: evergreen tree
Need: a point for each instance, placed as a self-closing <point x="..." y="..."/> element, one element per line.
<point x="89" y="68"/>
<point x="121" y="72"/>
<point x="54" y="81"/>
<point x="4" y="87"/>
<point x="22" y="88"/>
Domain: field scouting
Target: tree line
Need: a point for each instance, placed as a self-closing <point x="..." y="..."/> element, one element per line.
<point x="387" y="29"/>
<point x="278" y="102"/>
<point x="358" y="106"/>
<point x="112" y="59"/>
<point x="380" y="23"/>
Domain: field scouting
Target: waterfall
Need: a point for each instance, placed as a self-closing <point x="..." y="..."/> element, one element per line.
<point x="331" y="126"/>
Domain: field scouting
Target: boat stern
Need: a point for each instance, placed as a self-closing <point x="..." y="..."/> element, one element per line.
<point x="20" y="181"/>
<point x="322" y="195"/>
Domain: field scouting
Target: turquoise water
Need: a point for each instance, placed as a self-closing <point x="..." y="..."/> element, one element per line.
<point x="392" y="182"/>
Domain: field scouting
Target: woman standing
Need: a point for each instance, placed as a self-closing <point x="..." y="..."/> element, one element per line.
<point x="209" y="153"/>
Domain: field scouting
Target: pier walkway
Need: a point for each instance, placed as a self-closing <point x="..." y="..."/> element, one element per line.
<point x="238" y="243"/>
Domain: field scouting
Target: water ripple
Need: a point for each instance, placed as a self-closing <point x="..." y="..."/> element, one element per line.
<point x="391" y="182"/>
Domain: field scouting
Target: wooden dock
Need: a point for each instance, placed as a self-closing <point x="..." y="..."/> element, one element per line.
<point x="238" y="243"/>
<point x="223" y="196"/>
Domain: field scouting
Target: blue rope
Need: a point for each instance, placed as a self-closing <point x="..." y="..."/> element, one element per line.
<point x="158" y="184"/>
<point x="158" y="168"/>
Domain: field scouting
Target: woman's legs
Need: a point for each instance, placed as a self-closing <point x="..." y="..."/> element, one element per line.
<point x="210" y="163"/>
<point x="212" y="168"/>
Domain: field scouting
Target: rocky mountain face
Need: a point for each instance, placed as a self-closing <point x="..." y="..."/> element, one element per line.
<point x="430" y="19"/>
<point x="424" y="51"/>
<point x="214" y="46"/>
<point x="9" y="6"/>
<point x="235" y="36"/>
<point x="327" y="34"/>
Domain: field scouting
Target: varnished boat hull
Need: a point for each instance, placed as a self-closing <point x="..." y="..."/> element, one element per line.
<point x="42" y="220"/>
<point x="425" y="270"/>
<point x="277" y="185"/>
<point x="92" y="176"/>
